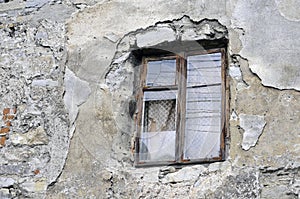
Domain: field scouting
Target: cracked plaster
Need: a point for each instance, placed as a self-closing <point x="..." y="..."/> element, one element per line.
<point x="99" y="161"/>
<point x="264" y="37"/>
<point x="77" y="92"/>
<point x="253" y="126"/>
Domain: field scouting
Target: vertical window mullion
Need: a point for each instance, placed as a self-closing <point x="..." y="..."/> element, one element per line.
<point x="183" y="94"/>
<point x="178" y="108"/>
<point x="140" y="105"/>
<point x="224" y="103"/>
<point x="181" y="106"/>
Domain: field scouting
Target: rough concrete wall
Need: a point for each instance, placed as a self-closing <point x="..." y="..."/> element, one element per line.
<point x="67" y="78"/>
<point x="34" y="126"/>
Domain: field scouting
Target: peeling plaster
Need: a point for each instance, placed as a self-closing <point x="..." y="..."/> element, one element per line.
<point x="253" y="126"/>
<point x="235" y="72"/>
<point x="112" y="37"/>
<point x="265" y="32"/>
<point x="77" y="92"/>
<point x="264" y="37"/>
<point x="181" y="29"/>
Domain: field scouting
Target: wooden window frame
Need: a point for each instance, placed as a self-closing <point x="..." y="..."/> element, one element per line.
<point x="181" y="76"/>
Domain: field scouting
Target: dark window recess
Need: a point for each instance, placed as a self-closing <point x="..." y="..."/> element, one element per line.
<point x="182" y="103"/>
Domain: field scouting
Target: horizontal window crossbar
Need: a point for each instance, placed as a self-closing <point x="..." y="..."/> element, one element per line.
<point x="204" y="85"/>
<point x="175" y="87"/>
<point x="160" y="88"/>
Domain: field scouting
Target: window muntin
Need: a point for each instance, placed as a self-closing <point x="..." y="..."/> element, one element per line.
<point x="186" y="122"/>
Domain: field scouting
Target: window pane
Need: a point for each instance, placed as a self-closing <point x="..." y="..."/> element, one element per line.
<point x="161" y="73"/>
<point x="160" y="95"/>
<point x="204" y="69"/>
<point x="203" y="122"/>
<point x="157" y="140"/>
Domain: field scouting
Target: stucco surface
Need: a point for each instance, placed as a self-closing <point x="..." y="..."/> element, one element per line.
<point x="67" y="75"/>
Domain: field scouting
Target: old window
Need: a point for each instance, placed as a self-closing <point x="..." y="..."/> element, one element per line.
<point x="181" y="108"/>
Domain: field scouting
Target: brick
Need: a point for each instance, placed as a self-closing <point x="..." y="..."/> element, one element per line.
<point x="2" y="141"/>
<point x="7" y="123"/>
<point x="37" y="171"/>
<point x="6" y="111"/>
<point x="10" y="117"/>
<point x="4" y="130"/>
<point x="4" y="117"/>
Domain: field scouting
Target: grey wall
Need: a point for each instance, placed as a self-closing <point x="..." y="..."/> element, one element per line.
<point x="67" y="76"/>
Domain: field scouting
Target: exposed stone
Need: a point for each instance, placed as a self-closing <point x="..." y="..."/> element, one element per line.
<point x="6" y="182"/>
<point x="112" y="37"/>
<point x="15" y="169"/>
<point x="122" y="58"/>
<point x="106" y="175"/>
<point x="204" y="30"/>
<point x="36" y="3"/>
<point x="155" y="36"/>
<point x="12" y="5"/>
<point x="185" y="174"/>
<point x="233" y="116"/>
<point x="219" y="166"/>
<point x="253" y="126"/>
<point x="37" y="185"/>
<point x="46" y="82"/>
<point x="165" y="170"/>
<point x="280" y="183"/>
<point x="4" y="193"/>
<point x="36" y="136"/>
<point x="72" y="66"/>
<point x="235" y="72"/>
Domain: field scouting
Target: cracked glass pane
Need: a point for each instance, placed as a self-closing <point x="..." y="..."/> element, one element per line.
<point x="203" y="107"/>
<point x="204" y="69"/>
<point x="158" y="137"/>
<point x="161" y="73"/>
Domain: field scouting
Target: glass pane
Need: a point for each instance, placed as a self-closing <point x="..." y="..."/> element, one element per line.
<point x="203" y="122"/>
<point x="204" y="69"/>
<point x="160" y="95"/>
<point x="161" y="73"/>
<point x="157" y="142"/>
<point x="159" y="116"/>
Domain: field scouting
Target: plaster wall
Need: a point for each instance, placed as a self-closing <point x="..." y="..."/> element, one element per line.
<point x="67" y="77"/>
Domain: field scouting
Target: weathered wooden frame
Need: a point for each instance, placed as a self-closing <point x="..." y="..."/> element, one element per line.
<point x="181" y="76"/>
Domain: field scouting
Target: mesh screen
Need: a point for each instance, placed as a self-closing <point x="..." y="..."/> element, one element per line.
<point x="159" y="116"/>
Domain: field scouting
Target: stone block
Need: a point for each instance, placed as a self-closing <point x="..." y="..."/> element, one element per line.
<point x="155" y="36"/>
<point x="37" y="185"/>
<point x="15" y="169"/>
<point x="45" y="82"/>
<point x="36" y="136"/>
<point x="4" y="194"/>
<point x="36" y="3"/>
<point x="185" y="174"/>
<point x="6" y="182"/>
<point x="219" y="166"/>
